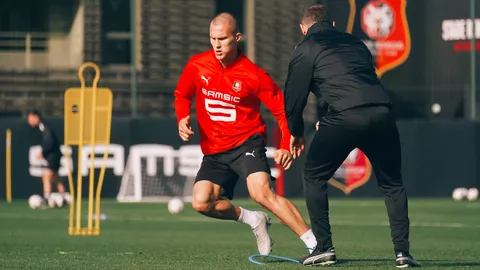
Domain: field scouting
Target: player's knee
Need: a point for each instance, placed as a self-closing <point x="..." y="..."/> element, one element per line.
<point x="202" y="207"/>
<point x="48" y="173"/>
<point x="262" y="196"/>
<point x="260" y="188"/>
<point x="202" y="203"/>
<point x="262" y="200"/>
<point x="204" y="196"/>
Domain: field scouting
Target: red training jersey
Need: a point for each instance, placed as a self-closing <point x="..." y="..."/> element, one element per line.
<point x="228" y="101"/>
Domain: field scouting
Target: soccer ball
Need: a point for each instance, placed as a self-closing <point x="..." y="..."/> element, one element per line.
<point x="472" y="194"/>
<point x="175" y="206"/>
<point x="35" y="201"/>
<point x="55" y="200"/>
<point x="67" y="198"/>
<point x="459" y="194"/>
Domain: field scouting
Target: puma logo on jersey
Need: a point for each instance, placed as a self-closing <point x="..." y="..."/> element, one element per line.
<point x="250" y="154"/>
<point x="205" y="79"/>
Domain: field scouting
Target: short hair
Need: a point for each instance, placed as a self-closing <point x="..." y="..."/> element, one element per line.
<point x="226" y="17"/>
<point x="35" y="112"/>
<point x="315" y="13"/>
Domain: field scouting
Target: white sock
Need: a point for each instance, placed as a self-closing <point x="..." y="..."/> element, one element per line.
<point x="309" y="239"/>
<point x="46" y="195"/>
<point x="249" y="217"/>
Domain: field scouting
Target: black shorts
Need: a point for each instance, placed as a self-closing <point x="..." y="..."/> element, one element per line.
<point x="225" y="168"/>
<point x="53" y="162"/>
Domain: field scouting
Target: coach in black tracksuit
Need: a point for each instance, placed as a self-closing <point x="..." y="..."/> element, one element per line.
<point x="338" y="68"/>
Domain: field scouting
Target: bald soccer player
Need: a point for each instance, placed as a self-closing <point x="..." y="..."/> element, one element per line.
<point x="229" y="90"/>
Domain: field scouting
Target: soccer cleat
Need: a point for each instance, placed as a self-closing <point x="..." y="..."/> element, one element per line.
<point x="405" y="260"/>
<point x="264" y="242"/>
<point x="323" y="258"/>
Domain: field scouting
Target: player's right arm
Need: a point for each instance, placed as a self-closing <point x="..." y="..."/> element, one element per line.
<point x="271" y="95"/>
<point x="183" y="100"/>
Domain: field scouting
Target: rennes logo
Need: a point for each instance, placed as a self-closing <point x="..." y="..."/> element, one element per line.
<point x="384" y="22"/>
<point x="377" y="20"/>
<point x="354" y="172"/>
<point x="237" y="86"/>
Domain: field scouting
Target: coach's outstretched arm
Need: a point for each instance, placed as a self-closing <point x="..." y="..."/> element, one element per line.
<point x="297" y="88"/>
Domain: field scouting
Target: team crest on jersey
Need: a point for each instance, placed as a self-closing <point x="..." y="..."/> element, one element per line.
<point x="237" y="86"/>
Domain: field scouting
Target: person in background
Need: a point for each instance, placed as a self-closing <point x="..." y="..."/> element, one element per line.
<point x="51" y="154"/>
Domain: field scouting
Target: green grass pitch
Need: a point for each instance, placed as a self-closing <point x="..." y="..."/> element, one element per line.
<point x="444" y="235"/>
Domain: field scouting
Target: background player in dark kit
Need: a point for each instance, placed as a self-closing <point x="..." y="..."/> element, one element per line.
<point x="51" y="154"/>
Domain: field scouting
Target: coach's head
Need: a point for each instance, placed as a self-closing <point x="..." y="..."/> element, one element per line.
<point x="224" y="37"/>
<point x="312" y="14"/>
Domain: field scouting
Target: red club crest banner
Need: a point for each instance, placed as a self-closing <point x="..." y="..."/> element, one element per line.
<point x="354" y="172"/>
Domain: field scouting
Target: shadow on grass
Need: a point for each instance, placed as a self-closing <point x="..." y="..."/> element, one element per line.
<point x="379" y="262"/>
<point x="423" y="263"/>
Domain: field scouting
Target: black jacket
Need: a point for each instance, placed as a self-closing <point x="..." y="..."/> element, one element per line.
<point x="337" y="67"/>
<point x="50" y="143"/>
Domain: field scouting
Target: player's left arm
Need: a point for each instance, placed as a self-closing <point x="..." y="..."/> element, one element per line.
<point x="271" y="95"/>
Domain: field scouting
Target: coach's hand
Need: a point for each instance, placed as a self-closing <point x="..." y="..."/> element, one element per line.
<point x="317" y="125"/>
<point x="297" y="145"/>
<point x="184" y="129"/>
<point x="283" y="158"/>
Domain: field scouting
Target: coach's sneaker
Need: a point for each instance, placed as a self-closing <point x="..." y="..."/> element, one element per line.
<point x="264" y="242"/>
<point x="405" y="260"/>
<point x="323" y="258"/>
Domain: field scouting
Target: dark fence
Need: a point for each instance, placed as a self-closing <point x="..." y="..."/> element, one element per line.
<point x="437" y="70"/>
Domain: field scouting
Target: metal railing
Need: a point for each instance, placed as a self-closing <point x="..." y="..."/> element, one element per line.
<point x="25" y="42"/>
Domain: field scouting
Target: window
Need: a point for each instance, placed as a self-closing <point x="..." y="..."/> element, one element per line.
<point x="116" y="32"/>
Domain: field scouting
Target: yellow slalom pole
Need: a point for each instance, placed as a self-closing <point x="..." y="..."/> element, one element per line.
<point x="8" y="166"/>
<point x="92" y="154"/>
<point x="71" y="186"/>
<point x="80" y="150"/>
